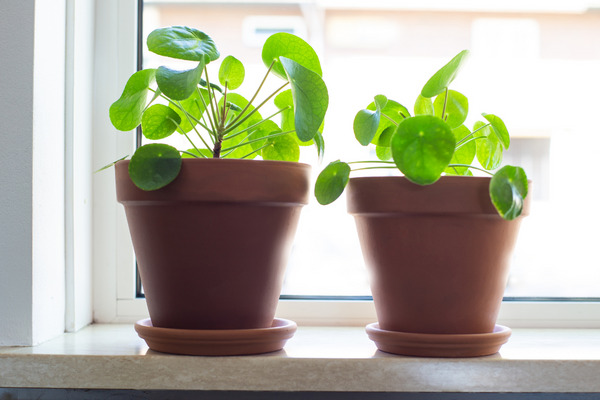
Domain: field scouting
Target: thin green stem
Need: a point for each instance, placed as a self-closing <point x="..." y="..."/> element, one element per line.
<point x="256" y="93"/>
<point x="255" y="151"/>
<point x="471" y="134"/>
<point x="243" y="143"/>
<point x="195" y="130"/>
<point x="211" y="100"/>
<point x="213" y="131"/>
<point x="444" y="108"/>
<point x="235" y="124"/>
<point x="192" y="154"/>
<point x="391" y="120"/>
<point x="462" y="143"/>
<point x="370" y="162"/>
<point x="473" y="167"/>
<point x="365" y="168"/>
<point x="255" y="125"/>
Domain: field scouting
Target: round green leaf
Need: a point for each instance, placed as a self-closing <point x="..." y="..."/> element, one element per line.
<point x="265" y="129"/>
<point x="457" y="108"/>
<point x="464" y="154"/>
<point x="365" y="125"/>
<point x="331" y="182"/>
<point x="291" y="47"/>
<point x="231" y="73"/>
<point x="178" y="85"/>
<point x="154" y="166"/>
<point x="423" y="106"/>
<point x="499" y="129"/>
<point x="159" y="121"/>
<point x="183" y="43"/>
<point x="310" y="98"/>
<point x="281" y="148"/>
<point x="443" y="77"/>
<point x="126" y="113"/>
<point x="508" y="189"/>
<point x="489" y="149"/>
<point x="422" y="148"/>
<point x="392" y="111"/>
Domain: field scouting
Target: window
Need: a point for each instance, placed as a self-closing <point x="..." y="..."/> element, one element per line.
<point x="535" y="67"/>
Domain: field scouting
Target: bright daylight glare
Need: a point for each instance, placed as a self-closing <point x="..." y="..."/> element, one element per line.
<point x="535" y="64"/>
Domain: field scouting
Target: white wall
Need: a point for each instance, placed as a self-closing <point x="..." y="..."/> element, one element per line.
<point x="32" y="173"/>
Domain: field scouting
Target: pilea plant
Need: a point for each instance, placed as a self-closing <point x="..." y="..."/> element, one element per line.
<point x="433" y="142"/>
<point x="217" y="122"/>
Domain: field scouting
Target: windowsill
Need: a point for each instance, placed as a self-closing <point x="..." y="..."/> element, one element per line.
<point x="317" y="359"/>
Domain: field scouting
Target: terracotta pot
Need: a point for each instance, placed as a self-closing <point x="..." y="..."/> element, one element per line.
<point x="438" y="255"/>
<point x="212" y="246"/>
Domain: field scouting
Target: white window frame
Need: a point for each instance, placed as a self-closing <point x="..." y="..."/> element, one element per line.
<point x="114" y="277"/>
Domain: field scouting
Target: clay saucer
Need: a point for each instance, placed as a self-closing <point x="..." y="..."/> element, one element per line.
<point x="216" y="342"/>
<point x="438" y="345"/>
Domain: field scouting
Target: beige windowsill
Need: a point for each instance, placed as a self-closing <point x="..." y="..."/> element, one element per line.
<point x="316" y="359"/>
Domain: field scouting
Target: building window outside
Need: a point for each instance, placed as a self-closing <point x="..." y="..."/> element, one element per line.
<point x="537" y="70"/>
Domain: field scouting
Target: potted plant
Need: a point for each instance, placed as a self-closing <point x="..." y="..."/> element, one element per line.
<point x="212" y="228"/>
<point x="437" y="241"/>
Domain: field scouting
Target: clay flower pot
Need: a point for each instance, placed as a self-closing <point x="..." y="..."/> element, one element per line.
<point x="438" y="258"/>
<point x="212" y="246"/>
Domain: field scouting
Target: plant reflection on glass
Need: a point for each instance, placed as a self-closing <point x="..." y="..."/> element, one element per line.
<point x="433" y="142"/>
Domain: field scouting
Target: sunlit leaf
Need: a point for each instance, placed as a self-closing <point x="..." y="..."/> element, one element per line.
<point x="365" y="125"/>
<point x="194" y="106"/>
<point x="310" y="98"/>
<point x="154" y="166"/>
<point x="422" y="148"/>
<point x="465" y="154"/>
<point x="508" y="189"/>
<point x="499" y="129"/>
<point x="159" y="121"/>
<point x="457" y="108"/>
<point x="183" y="43"/>
<point x="286" y="45"/>
<point x="178" y="85"/>
<point x="444" y="76"/>
<point x="231" y="73"/>
<point x="391" y="115"/>
<point x="489" y="148"/>
<point x="423" y="106"/>
<point x="331" y="182"/>
<point x="281" y="148"/>
<point x="126" y="112"/>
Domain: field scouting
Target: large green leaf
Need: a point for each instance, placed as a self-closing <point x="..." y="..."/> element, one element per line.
<point x="310" y="98"/>
<point x="489" y="148"/>
<point x="183" y="43"/>
<point x="464" y="154"/>
<point x="231" y="73"/>
<point x="154" y="166"/>
<point x="499" y="129"/>
<point x="194" y="107"/>
<point x="457" y="108"/>
<point x="422" y="148"/>
<point x="291" y="47"/>
<point x="159" y="121"/>
<point x="126" y="112"/>
<point x="331" y="182"/>
<point x="444" y="76"/>
<point x="424" y="106"/>
<point x="178" y="85"/>
<point x="281" y="148"/>
<point x="508" y="189"/>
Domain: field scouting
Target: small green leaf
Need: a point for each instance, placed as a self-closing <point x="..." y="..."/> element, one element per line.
<point x="380" y="101"/>
<point x="365" y="125"/>
<point x="194" y="107"/>
<point x="489" y="149"/>
<point x="293" y="48"/>
<point x="392" y="111"/>
<point x="310" y="98"/>
<point x="422" y="148"/>
<point x="178" y="85"/>
<point x="183" y="43"/>
<point x="331" y="182"/>
<point x="499" y="129"/>
<point x="442" y="78"/>
<point x="457" y="108"/>
<point x="319" y="144"/>
<point x="383" y="149"/>
<point x="205" y="85"/>
<point x="424" y="106"/>
<point x="154" y="166"/>
<point x="508" y="189"/>
<point x="159" y="121"/>
<point x="126" y="112"/>
<point x="464" y="154"/>
<point x="281" y="148"/>
<point x="231" y="73"/>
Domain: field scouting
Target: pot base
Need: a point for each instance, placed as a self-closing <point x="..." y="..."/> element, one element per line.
<point x="438" y="345"/>
<point x="218" y="342"/>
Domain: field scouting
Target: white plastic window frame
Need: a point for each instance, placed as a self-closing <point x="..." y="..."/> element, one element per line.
<point x="114" y="273"/>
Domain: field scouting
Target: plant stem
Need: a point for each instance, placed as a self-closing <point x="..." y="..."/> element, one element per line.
<point x="255" y="94"/>
<point x="253" y="126"/>
<point x="471" y="166"/>
<point x="255" y="151"/>
<point x="213" y="131"/>
<point x="256" y="140"/>
<point x="471" y="134"/>
<point x="391" y="120"/>
<point x="195" y="130"/>
<point x="365" y="168"/>
<point x="370" y="162"/>
<point x="444" y="108"/>
<point x="211" y="99"/>
<point x="192" y="154"/>
<point x="461" y="143"/>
